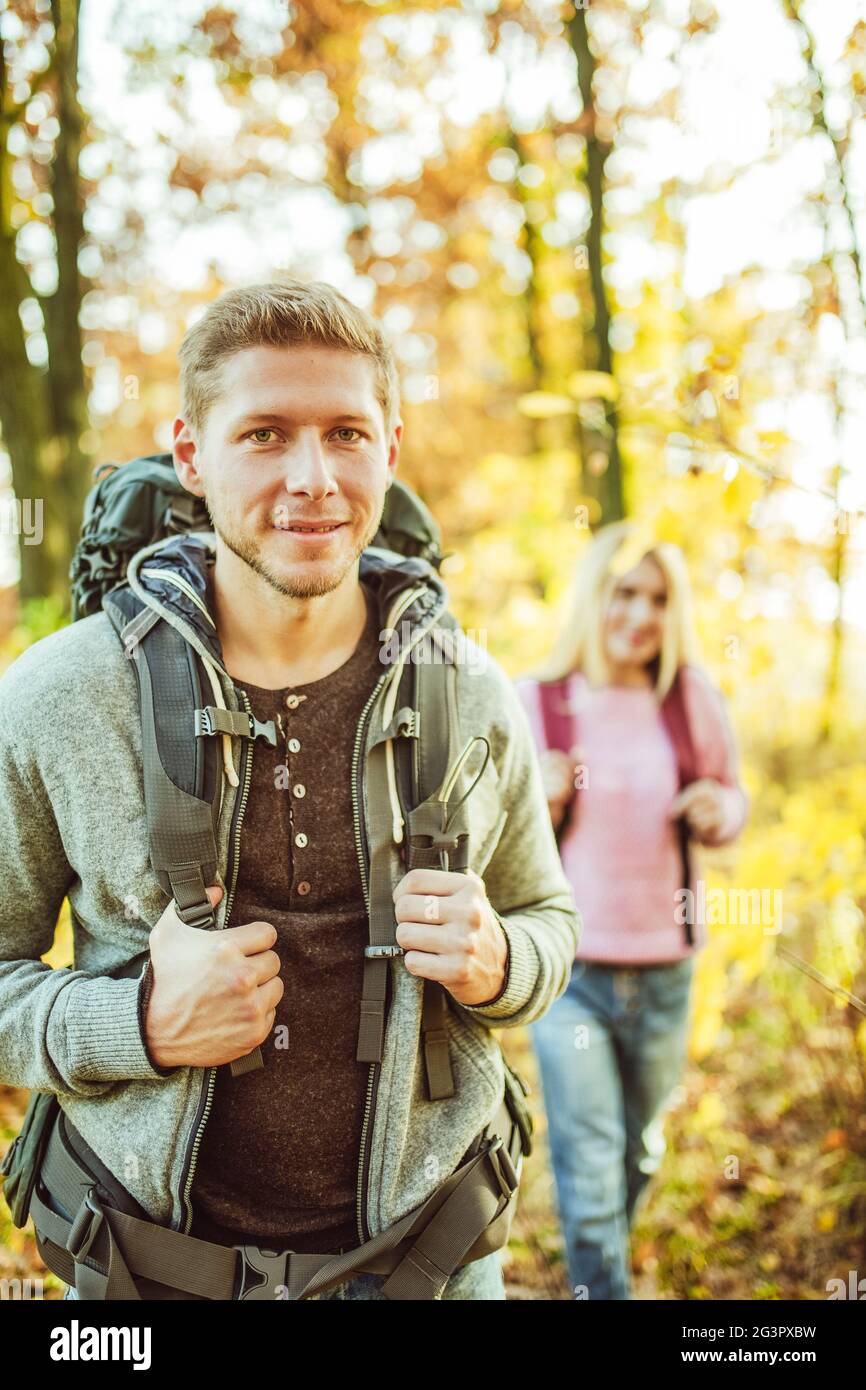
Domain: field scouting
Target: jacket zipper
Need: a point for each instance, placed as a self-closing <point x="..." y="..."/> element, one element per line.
<point x="373" y="1074"/>
<point x="208" y="1090"/>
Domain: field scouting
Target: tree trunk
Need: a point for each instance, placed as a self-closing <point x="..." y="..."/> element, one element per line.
<point x="602" y="483"/>
<point x="43" y="412"/>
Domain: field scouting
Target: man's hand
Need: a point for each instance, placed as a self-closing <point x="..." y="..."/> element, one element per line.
<point x="702" y="805"/>
<point x="214" y="994"/>
<point x="450" y="933"/>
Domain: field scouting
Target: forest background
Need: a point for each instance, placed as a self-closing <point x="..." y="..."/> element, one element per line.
<point x="618" y="248"/>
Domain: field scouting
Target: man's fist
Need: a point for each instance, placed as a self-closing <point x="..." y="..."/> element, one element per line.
<point x="214" y="993"/>
<point x="450" y="933"/>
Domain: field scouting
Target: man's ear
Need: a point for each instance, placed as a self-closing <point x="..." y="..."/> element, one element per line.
<point x="185" y="455"/>
<point x="394" y="452"/>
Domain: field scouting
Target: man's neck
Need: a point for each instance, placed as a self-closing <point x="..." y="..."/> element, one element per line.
<point x="272" y="640"/>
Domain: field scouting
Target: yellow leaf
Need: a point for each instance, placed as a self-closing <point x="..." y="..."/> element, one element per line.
<point x="710" y="1112"/>
<point x="585" y="386"/>
<point x="543" y="405"/>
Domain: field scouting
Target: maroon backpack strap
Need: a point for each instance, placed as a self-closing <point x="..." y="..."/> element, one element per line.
<point x="559" y="721"/>
<point x="556" y="714"/>
<point x="676" y="720"/>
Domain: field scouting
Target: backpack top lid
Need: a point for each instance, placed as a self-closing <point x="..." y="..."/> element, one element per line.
<point x="137" y="503"/>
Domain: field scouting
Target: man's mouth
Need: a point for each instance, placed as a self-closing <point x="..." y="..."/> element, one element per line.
<point x="314" y="529"/>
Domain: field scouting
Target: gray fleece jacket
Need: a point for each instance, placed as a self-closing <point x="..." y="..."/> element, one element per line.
<point x="72" y="824"/>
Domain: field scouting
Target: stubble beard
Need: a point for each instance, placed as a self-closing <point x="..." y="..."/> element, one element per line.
<point x="309" y="585"/>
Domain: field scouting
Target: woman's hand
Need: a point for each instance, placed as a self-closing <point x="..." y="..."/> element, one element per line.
<point x="557" y="770"/>
<point x="702" y="803"/>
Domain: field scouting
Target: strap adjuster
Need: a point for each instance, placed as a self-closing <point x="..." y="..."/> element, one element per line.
<point x="199" y="915"/>
<point x="85" y="1227"/>
<point x="383" y="952"/>
<point x="503" y="1168"/>
<point x="271" y="1267"/>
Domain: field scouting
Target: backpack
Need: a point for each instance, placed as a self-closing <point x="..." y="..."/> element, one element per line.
<point x="128" y="509"/>
<point x="560" y="723"/>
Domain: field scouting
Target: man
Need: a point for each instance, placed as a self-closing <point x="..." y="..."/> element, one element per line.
<point x="289" y="431"/>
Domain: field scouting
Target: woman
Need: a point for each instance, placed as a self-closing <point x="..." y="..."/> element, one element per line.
<point x="639" y="763"/>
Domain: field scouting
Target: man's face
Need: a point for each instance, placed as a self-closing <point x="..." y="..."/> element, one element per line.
<point x="295" y="438"/>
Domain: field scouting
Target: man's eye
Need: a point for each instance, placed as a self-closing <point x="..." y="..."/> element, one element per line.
<point x="347" y="429"/>
<point x="266" y="429"/>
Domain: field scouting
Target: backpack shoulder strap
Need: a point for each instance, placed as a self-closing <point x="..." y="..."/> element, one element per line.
<point x="181" y="768"/>
<point x="676" y="720"/>
<point x="560" y="726"/>
<point x="557" y="716"/>
<point x="425" y="738"/>
<point x="436" y="696"/>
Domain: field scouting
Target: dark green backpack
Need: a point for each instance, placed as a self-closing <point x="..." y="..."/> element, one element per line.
<point x="134" y="504"/>
<point x="23" y="1158"/>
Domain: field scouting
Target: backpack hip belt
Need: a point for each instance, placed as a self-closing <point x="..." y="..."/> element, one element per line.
<point x="90" y="1242"/>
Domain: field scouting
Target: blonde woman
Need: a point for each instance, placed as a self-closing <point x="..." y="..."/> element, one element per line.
<point x="639" y="764"/>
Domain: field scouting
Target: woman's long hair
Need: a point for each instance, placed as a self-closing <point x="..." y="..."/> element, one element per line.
<point x="579" y="645"/>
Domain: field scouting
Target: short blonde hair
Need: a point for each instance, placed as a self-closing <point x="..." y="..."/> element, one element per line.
<point x="579" y="645"/>
<point x="279" y="314"/>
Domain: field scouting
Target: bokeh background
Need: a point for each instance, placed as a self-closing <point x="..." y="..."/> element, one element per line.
<point x="618" y="247"/>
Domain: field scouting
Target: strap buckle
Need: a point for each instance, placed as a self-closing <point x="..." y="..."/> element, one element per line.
<point x="270" y="1267"/>
<point x="383" y="952"/>
<point x="199" y="915"/>
<point x="503" y="1168"/>
<point x="265" y="731"/>
<point x="85" y="1227"/>
<point x="204" y="726"/>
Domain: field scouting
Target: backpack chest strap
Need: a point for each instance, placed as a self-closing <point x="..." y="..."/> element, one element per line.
<point x="212" y="721"/>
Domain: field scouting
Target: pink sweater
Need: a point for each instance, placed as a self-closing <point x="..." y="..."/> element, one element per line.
<point x="620" y="852"/>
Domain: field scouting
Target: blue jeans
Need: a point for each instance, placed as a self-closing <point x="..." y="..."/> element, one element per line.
<point x="482" y="1279"/>
<point x="610" y="1051"/>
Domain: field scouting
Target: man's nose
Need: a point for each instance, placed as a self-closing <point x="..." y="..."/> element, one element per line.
<point x="307" y="469"/>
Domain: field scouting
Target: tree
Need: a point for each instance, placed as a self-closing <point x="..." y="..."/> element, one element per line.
<point x="42" y="393"/>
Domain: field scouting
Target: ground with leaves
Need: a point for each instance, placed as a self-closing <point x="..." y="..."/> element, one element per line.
<point x="762" y="1192"/>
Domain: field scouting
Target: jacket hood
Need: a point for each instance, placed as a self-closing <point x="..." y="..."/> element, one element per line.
<point x="174" y="576"/>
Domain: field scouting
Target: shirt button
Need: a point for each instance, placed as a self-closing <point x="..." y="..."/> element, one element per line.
<point x="303" y="888"/>
<point x="299" y="789"/>
<point x="293" y="701"/>
<point x="294" y="745"/>
<point x="301" y="840"/>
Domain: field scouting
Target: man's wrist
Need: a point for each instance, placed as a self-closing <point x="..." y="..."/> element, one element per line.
<point x="505" y="969"/>
<point x="147" y="982"/>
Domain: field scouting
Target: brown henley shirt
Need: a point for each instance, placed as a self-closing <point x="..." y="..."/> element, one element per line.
<point x="278" y="1160"/>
